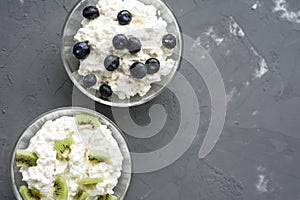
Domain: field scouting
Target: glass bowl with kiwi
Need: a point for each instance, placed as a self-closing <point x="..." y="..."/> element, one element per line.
<point x="91" y="121"/>
<point x="124" y="69"/>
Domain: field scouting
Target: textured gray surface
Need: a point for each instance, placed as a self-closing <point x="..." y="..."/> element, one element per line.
<point x="257" y="156"/>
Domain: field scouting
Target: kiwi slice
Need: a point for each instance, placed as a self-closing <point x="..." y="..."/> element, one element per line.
<point x="99" y="156"/>
<point x="62" y="147"/>
<point x="107" y="197"/>
<point x="85" y="119"/>
<point x="103" y="197"/>
<point x="111" y="197"/>
<point x="81" y="195"/>
<point x="89" y="181"/>
<point x="60" y="188"/>
<point x="35" y="193"/>
<point x="26" y="158"/>
<point x="28" y="194"/>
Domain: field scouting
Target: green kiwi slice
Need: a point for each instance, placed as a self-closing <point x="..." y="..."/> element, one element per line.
<point x="99" y="156"/>
<point x="81" y="195"/>
<point x="111" y="197"/>
<point x="85" y="119"/>
<point x="26" y="158"/>
<point x="29" y="194"/>
<point x="107" y="197"/>
<point x="62" y="147"/>
<point x="89" y="181"/>
<point x="60" y="189"/>
<point x="102" y="197"/>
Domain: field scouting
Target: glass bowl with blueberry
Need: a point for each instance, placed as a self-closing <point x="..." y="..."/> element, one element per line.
<point x="121" y="53"/>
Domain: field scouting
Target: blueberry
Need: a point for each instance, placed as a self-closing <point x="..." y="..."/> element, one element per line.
<point x="120" y="41"/>
<point x="90" y="12"/>
<point x="134" y="45"/>
<point x="81" y="50"/>
<point x="152" y="65"/>
<point x="169" y="41"/>
<point x="124" y="17"/>
<point x="105" y="91"/>
<point x="111" y="62"/>
<point x="89" y="80"/>
<point x="138" y="70"/>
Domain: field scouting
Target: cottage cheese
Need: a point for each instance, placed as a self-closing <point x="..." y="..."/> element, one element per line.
<point x="48" y="168"/>
<point x="146" y="25"/>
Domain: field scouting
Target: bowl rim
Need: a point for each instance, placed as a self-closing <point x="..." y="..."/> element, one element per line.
<point x="117" y="104"/>
<point x="80" y="109"/>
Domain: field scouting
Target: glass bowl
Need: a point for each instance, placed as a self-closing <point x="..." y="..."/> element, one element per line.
<point x="32" y="128"/>
<point x="71" y="64"/>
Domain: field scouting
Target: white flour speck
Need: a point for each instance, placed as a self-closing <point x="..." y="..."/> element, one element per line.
<point x="263" y="68"/>
<point x="230" y="94"/>
<point x="261" y="169"/>
<point x="227" y="52"/>
<point x="262" y="184"/>
<point x="210" y="32"/>
<point x="234" y="28"/>
<point x="208" y="39"/>
<point x="262" y="65"/>
<point x="254" y="113"/>
<point x="247" y="83"/>
<point x="197" y="42"/>
<point x="21" y="1"/>
<point x="291" y="16"/>
<point x="255" y="6"/>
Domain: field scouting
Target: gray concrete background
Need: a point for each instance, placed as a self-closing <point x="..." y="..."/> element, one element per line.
<point x="257" y="156"/>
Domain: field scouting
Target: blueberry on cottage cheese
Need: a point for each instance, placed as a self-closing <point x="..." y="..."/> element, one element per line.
<point x="89" y="80"/>
<point x="134" y="45"/>
<point x="120" y="42"/>
<point x="81" y="50"/>
<point x="124" y="17"/>
<point x="90" y="12"/>
<point x="138" y="70"/>
<point x="106" y="26"/>
<point x="105" y="91"/>
<point x="169" y="41"/>
<point x="153" y="65"/>
<point x="111" y="62"/>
